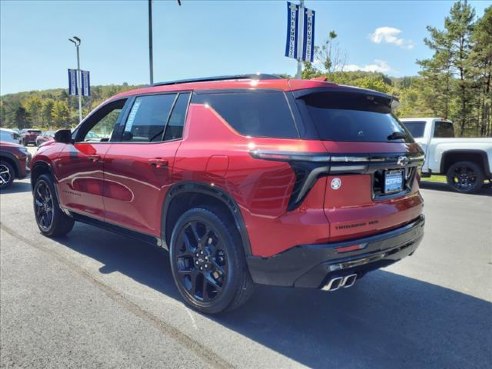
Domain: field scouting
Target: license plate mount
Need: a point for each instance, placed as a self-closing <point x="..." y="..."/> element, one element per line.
<point x="393" y="181"/>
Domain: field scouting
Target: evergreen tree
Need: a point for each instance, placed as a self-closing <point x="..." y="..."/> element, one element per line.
<point x="481" y="60"/>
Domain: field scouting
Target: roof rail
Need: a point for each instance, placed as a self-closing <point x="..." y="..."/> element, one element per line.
<point x="220" y="78"/>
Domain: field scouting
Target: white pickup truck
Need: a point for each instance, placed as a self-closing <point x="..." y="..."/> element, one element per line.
<point x="466" y="162"/>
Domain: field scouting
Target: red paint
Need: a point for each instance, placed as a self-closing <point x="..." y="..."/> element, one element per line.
<point x="117" y="182"/>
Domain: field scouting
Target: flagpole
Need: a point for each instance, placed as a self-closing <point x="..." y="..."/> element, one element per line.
<point x="300" y="40"/>
<point x="151" y="56"/>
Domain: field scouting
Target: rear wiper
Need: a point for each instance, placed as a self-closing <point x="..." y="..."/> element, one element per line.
<point x="397" y="136"/>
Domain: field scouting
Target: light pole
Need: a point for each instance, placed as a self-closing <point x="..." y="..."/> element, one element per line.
<point x="299" y="47"/>
<point x="77" y="42"/>
<point x="151" y="55"/>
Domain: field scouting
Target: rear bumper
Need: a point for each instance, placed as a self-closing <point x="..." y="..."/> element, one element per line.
<point x="312" y="265"/>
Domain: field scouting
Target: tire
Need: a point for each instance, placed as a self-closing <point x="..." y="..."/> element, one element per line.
<point x="7" y="175"/>
<point x="51" y="220"/>
<point x="208" y="262"/>
<point x="465" y="177"/>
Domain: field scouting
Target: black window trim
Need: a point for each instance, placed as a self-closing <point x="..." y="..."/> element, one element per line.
<point x="131" y="101"/>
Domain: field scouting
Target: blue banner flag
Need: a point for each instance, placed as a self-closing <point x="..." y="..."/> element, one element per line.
<point x="72" y="82"/>
<point x="86" y="85"/>
<point x="308" y="39"/>
<point x="292" y="30"/>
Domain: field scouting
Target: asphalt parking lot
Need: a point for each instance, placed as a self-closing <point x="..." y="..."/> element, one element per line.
<point x="95" y="299"/>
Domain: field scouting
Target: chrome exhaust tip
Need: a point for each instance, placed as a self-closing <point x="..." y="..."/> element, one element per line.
<point x="334" y="284"/>
<point x="338" y="282"/>
<point x="349" y="280"/>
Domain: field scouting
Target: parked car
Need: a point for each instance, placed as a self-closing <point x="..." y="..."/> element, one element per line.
<point x="14" y="161"/>
<point x="466" y="162"/>
<point x="92" y="136"/>
<point x="244" y="179"/>
<point x="44" y="137"/>
<point x="28" y="136"/>
<point x="9" y="135"/>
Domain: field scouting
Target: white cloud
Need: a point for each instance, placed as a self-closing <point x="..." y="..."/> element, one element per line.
<point x="390" y="35"/>
<point x="377" y="66"/>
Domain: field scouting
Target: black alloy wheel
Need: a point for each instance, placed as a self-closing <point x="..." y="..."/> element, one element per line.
<point x="465" y="177"/>
<point x="51" y="220"/>
<point x="43" y="206"/>
<point x="201" y="261"/>
<point x="208" y="262"/>
<point x="6" y="175"/>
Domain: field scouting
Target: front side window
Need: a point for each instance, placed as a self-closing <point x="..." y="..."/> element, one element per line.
<point x="147" y="119"/>
<point x="99" y="126"/>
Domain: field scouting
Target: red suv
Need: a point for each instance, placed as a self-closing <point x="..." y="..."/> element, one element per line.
<point x="14" y="161"/>
<point x="28" y="136"/>
<point x="244" y="179"/>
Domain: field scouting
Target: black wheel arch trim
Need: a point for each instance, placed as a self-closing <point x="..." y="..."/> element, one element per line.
<point x="55" y="181"/>
<point x="217" y="193"/>
<point x="484" y="164"/>
<point x="44" y="164"/>
<point x="13" y="160"/>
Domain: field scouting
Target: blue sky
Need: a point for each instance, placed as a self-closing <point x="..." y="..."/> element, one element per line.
<point x="200" y="38"/>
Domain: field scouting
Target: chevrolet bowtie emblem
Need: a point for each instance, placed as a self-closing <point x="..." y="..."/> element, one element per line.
<point x="402" y="161"/>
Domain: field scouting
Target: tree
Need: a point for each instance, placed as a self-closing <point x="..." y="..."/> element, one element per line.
<point x="33" y="107"/>
<point x="481" y="60"/>
<point x="21" y="118"/>
<point x="309" y="71"/>
<point x="60" y="114"/>
<point x="459" y="26"/>
<point x="329" y="55"/>
<point x="47" y="111"/>
<point x="448" y="74"/>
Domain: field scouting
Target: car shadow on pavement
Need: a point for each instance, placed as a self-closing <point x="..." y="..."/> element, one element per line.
<point x="17" y="187"/>
<point x="385" y="321"/>
<point x="486" y="190"/>
<point x="142" y="262"/>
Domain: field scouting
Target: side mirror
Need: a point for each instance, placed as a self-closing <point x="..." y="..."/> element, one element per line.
<point x="63" y="136"/>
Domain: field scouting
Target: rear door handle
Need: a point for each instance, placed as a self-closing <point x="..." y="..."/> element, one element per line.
<point x="158" y="162"/>
<point x="94" y="158"/>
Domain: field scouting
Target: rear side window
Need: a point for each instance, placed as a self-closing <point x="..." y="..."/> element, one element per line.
<point x="443" y="129"/>
<point x="416" y="128"/>
<point x="174" y="129"/>
<point x="147" y="118"/>
<point x="253" y="113"/>
<point x="353" y="118"/>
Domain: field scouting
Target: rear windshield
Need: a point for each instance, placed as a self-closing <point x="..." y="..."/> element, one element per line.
<point x="416" y="128"/>
<point x="353" y="118"/>
<point x="253" y="113"/>
<point x="34" y="131"/>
